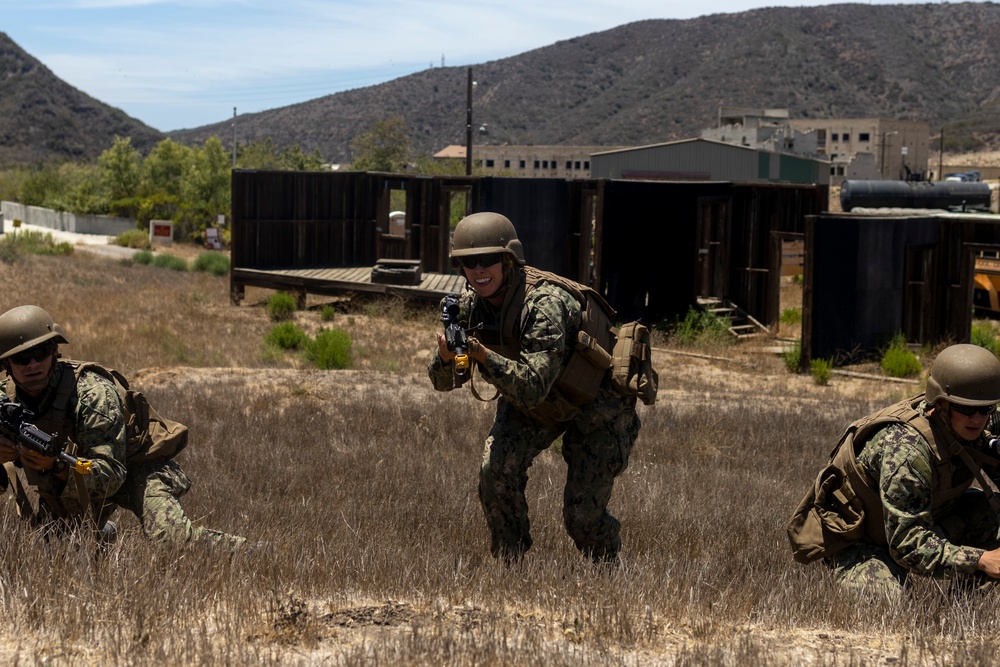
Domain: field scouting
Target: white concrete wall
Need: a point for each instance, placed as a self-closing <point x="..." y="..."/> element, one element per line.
<point x="65" y="222"/>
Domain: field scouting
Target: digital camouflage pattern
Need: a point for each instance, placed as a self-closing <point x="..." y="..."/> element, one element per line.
<point x="149" y="490"/>
<point x="946" y="545"/>
<point x="100" y="437"/>
<point x="596" y="443"/>
<point x="549" y="319"/>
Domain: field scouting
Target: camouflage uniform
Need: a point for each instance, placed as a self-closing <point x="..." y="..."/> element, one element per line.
<point x="921" y="541"/>
<point x="596" y="443"/>
<point x="149" y="490"/>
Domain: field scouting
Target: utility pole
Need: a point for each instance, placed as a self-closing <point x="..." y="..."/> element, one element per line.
<point x="468" y="127"/>
<point x="941" y="155"/>
<point x="234" y="137"/>
<point x="881" y="159"/>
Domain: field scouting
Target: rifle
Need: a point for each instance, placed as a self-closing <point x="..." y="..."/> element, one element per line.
<point x="456" y="336"/>
<point x="14" y="425"/>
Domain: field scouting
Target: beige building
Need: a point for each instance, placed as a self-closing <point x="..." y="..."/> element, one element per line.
<point x="529" y="161"/>
<point x="857" y="148"/>
<point x="897" y="149"/>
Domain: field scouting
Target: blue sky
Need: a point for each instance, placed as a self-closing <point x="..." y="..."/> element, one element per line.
<point x="184" y="63"/>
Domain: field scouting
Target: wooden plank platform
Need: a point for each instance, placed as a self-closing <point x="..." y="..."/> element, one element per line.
<point x="335" y="282"/>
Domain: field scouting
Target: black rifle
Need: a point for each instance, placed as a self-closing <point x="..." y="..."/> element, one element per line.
<point x="14" y="426"/>
<point x="456" y="336"/>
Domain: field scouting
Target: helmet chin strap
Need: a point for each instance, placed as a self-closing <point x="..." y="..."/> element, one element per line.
<point x="507" y="273"/>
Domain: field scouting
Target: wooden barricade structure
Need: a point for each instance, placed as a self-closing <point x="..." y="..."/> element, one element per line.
<point x="653" y="248"/>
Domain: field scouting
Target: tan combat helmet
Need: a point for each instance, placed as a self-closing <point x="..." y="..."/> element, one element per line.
<point x="484" y="233"/>
<point x="964" y="374"/>
<point x="24" y="327"/>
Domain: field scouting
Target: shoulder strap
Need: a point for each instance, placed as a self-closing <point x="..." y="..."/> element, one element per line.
<point x="511" y="311"/>
<point x="987" y="488"/>
<point x="25" y="510"/>
<point x="580" y="292"/>
<point x="65" y="392"/>
<point x="902" y="412"/>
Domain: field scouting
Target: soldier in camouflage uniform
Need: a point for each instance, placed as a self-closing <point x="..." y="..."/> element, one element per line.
<point x="94" y="423"/>
<point x="541" y="321"/>
<point x="914" y="479"/>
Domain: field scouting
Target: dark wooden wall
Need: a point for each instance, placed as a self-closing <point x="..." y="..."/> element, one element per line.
<point x="650" y="247"/>
<point x="302" y="219"/>
<point x="868" y="278"/>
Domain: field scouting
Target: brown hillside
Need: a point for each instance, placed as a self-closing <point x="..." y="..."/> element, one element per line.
<point x="42" y="118"/>
<point x="658" y="80"/>
<point x="637" y="84"/>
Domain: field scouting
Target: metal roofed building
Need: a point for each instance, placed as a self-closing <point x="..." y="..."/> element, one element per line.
<point x="707" y="160"/>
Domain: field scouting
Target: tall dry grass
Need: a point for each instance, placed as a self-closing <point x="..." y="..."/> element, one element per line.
<point x="364" y="482"/>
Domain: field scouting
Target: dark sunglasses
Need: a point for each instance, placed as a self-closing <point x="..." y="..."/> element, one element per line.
<point x="472" y="261"/>
<point x="37" y="353"/>
<point x="969" y="410"/>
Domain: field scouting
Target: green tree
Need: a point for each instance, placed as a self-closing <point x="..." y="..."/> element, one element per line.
<point x="262" y="154"/>
<point x="206" y="187"/>
<point x="164" y="168"/>
<point x="163" y="173"/>
<point x="295" y="159"/>
<point x="120" y="174"/>
<point x="385" y="147"/>
<point x="82" y="189"/>
<point x="265" y="154"/>
<point x="41" y="186"/>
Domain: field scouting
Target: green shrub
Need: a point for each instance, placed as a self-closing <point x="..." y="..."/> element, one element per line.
<point x="820" y="370"/>
<point x="133" y="238"/>
<point x="700" y="327"/>
<point x="35" y="243"/>
<point x="984" y="335"/>
<point x="9" y="252"/>
<point x="793" y="357"/>
<point x="331" y="349"/>
<point x="327" y="313"/>
<point x="286" y="335"/>
<point x="791" y="316"/>
<point x="143" y="257"/>
<point x="211" y="262"/>
<point x="172" y="262"/>
<point x="281" y="306"/>
<point x="898" y="360"/>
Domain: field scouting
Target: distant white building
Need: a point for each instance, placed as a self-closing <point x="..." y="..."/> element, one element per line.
<point x="857" y="148"/>
<point x="529" y="161"/>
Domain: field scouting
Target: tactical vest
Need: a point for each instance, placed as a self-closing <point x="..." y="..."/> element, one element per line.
<point x="589" y="364"/>
<point x="58" y="420"/>
<point x="844" y="505"/>
<point x="148" y="436"/>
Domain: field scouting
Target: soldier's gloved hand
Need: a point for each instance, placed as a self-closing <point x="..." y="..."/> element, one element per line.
<point x="7" y="450"/>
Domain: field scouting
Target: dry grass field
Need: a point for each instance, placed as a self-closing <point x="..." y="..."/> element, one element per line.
<point x="364" y="482"/>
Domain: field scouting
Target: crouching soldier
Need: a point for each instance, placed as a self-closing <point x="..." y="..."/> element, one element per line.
<point x="897" y="496"/>
<point x="527" y="324"/>
<point x="84" y="409"/>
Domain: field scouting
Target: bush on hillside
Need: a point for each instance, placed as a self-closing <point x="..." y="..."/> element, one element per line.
<point x="898" y="360"/>
<point x="330" y="350"/>
<point x="211" y="262"/>
<point x="281" y="306"/>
